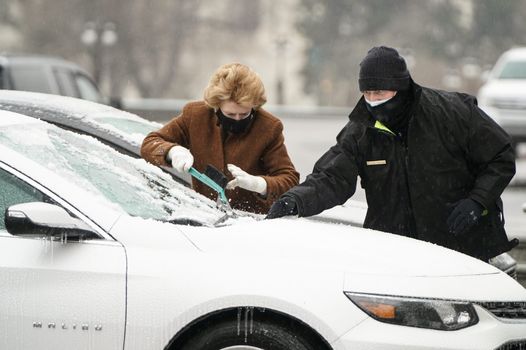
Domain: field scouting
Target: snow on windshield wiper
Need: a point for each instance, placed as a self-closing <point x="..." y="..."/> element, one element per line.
<point x="186" y="221"/>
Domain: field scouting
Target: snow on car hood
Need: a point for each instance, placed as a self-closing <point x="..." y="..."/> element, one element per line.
<point x="350" y="249"/>
<point x="358" y="260"/>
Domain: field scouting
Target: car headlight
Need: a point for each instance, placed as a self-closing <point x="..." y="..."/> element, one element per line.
<point x="437" y="314"/>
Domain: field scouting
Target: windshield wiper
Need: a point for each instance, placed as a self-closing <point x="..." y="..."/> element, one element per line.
<point x="185" y="221"/>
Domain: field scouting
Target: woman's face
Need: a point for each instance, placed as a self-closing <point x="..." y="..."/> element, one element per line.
<point x="235" y="111"/>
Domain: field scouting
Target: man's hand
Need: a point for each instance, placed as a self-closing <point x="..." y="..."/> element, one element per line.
<point x="284" y="206"/>
<point x="465" y="215"/>
<point x="181" y="158"/>
<point x="245" y="180"/>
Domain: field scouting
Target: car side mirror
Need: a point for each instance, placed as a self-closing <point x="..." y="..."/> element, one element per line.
<point x="39" y="219"/>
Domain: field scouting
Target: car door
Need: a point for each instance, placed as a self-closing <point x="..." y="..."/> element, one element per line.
<point x="57" y="294"/>
<point x="65" y="82"/>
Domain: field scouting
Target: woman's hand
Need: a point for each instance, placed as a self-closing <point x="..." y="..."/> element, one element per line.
<point x="245" y="180"/>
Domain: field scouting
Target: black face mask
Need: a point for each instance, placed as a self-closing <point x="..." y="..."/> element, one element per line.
<point x="231" y="125"/>
<point x="393" y="113"/>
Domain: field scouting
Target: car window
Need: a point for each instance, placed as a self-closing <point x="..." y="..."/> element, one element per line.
<point x="125" y="183"/>
<point x="513" y="70"/>
<point x="87" y="89"/>
<point x="30" y="79"/>
<point x="65" y="82"/>
<point x="128" y="126"/>
<point x="15" y="191"/>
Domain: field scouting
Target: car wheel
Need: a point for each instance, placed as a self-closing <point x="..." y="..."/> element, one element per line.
<point x="257" y="335"/>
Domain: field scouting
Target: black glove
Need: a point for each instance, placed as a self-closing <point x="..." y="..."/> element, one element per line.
<point x="465" y="215"/>
<point x="284" y="206"/>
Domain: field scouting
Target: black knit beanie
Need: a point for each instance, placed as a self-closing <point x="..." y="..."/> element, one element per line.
<point x="383" y="69"/>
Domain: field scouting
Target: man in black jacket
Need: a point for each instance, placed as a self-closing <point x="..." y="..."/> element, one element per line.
<point x="433" y="165"/>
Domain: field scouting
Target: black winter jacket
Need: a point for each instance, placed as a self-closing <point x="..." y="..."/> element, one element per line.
<point x="454" y="151"/>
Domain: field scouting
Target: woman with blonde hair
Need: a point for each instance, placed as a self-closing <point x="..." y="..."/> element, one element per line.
<point x="230" y="131"/>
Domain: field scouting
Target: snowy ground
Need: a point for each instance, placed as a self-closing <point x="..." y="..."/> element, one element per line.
<point x="307" y="139"/>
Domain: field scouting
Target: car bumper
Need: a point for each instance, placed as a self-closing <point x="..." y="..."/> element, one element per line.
<point x="489" y="334"/>
<point x="513" y="121"/>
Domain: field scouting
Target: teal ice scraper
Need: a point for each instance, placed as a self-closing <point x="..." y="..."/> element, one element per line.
<point x="217" y="181"/>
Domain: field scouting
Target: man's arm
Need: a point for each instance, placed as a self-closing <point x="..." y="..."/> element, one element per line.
<point x="492" y="157"/>
<point x="332" y="181"/>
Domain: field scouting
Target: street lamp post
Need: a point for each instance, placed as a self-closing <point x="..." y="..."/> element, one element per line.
<point x="97" y="38"/>
<point x="281" y="46"/>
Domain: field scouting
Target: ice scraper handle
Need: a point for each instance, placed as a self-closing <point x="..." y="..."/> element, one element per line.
<point x="210" y="183"/>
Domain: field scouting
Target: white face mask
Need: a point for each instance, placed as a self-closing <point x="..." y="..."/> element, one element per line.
<point x="377" y="103"/>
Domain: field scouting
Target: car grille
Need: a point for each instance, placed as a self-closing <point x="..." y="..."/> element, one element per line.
<point x="508" y="310"/>
<point x="514" y="345"/>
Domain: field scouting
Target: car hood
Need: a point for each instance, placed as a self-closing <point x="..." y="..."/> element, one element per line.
<point x="503" y="88"/>
<point x="342" y="247"/>
<point x="282" y="250"/>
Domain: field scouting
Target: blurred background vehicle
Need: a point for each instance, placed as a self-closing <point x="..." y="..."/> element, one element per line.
<point x="50" y="75"/>
<point x="503" y="96"/>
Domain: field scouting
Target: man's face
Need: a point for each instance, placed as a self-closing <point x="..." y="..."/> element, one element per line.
<point x="378" y="95"/>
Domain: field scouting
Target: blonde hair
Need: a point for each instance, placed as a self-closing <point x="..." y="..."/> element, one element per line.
<point x="235" y="82"/>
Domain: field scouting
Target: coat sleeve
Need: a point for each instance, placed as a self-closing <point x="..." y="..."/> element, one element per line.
<point x="156" y="144"/>
<point x="333" y="179"/>
<point x="280" y="172"/>
<point x="491" y="156"/>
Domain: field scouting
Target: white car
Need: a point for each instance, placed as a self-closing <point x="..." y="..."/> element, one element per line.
<point x="503" y="96"/>
<point x="125" y="131"/>
<point x="99" y="250"/>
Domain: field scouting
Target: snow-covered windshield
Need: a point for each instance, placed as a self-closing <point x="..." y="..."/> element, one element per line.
<point x="513" y="70"/>
<point x="138" y="188"/>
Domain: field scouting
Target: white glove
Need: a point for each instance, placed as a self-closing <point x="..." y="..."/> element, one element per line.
<point x="181" y="158"/>
<point x="244" y="180"/>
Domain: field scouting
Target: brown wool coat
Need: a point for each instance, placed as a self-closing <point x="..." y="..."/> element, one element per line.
<point x="258" y="151"/>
